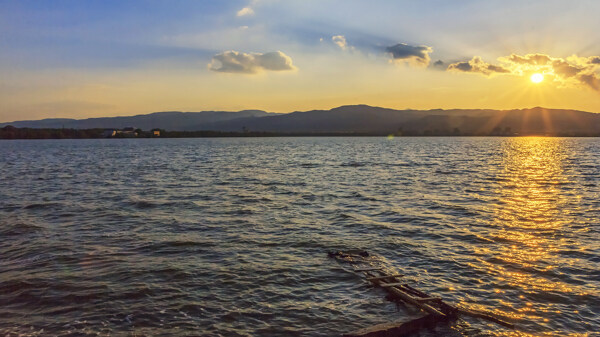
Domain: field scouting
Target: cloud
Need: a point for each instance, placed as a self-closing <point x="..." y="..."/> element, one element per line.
<point x="245" y="11"/>
<point x="248" y="10"/>
<point x="531" y="59"/>
<point x="418" y="55"/>
<point x="250" y="63"/>
<point x="477" y="65"/>
<point x="592" y="62"/>
<point x="439" y="64"/>
<point x="564" y="69"/>
<point x="571" y="71"/>
<point x="340" y="41"/>
<point x="592" y="80"/>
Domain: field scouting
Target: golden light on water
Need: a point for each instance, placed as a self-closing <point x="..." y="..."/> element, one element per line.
<point x="528" y="226"/>
<point x="530" y="201"/>
<point x="528" y="219"/>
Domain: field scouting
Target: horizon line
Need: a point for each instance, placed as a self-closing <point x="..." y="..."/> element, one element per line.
<point x="283" y="113"/>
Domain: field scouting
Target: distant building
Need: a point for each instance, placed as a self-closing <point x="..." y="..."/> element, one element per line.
<point x="156" y="133"/>
<point x="127" y="132"/>
<point x="109" y="133"/>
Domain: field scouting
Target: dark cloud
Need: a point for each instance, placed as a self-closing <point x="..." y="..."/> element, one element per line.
<point x="477" y="65"/>
<point x="438" y="65"/>
<point x="250" y="63"/>
<point x="532" y="59"/>
<point x="462" y="66"/>
<point x="592" y="80"/>
<point x="496" y="69"/>
<point x="414" y="54"/>
<point x="564" y="69"/>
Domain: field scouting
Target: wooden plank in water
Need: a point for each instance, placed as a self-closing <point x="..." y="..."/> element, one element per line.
<point x="410" y="299"/>
<point x="383" y="277"/>
<point x="367" y="269"/>
<point x="428" y="299"/>
<point x="397" y="329"/>
<point x="440" y="312"/>
<point x="487" y="316"/>
<point x="396" y="284"/>
<point x="404" y="296"/>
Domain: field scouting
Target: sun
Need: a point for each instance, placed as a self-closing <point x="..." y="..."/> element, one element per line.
<point x="537" y="78"/>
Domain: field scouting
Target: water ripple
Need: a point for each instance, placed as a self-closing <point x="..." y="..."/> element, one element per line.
<point x="227" y="237"/>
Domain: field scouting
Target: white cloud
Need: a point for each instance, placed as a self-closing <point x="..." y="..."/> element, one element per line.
<point x="250" y="63"/>
<point x="245" y="11"/>
<point x="340" y="41"/>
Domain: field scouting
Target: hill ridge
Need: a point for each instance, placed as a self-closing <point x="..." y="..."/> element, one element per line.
<point x="359" y="118"/>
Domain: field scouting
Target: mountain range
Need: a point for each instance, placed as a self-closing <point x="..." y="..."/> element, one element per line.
<point x="167" y="120"/>
<point x="352" y="119"/>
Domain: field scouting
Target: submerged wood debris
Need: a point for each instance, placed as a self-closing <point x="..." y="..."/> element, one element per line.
<point x="437" y="311"/>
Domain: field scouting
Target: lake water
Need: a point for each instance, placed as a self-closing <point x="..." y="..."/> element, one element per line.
<point x="228" y="237"/>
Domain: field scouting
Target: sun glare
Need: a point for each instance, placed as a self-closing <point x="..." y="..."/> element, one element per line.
<point x="537" y="78"/>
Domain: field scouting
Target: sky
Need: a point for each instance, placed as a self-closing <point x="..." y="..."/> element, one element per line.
<point x="81" y="59"/>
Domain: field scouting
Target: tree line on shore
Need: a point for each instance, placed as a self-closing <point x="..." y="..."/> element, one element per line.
<point x="10" y="132"/>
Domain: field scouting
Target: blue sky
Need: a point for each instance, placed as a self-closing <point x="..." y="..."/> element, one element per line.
<point x="100" y="58"/>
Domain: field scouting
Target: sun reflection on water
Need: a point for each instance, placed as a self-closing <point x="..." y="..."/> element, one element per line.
<point x="528" y="214"/>
<point x="528" y="219"/>
<point x="528" y="225"/>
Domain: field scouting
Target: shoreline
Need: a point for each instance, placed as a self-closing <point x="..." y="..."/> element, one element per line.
<point x="31" y="133"/>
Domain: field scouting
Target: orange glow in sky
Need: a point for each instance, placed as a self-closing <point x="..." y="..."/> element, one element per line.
<point x="99" y="59"/>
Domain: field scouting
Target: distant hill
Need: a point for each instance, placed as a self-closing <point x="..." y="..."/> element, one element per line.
<point x="367" y="119"/>
<point x="168" y="120"/>
<point x="362" y="119"/>
<point x="352" y="118"/>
